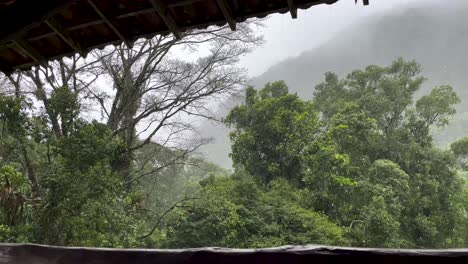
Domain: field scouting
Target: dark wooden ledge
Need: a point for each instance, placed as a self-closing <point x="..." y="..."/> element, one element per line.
<point x="37" y="254"/>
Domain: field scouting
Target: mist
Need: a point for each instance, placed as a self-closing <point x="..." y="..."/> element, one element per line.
<point x="345" y="37"/>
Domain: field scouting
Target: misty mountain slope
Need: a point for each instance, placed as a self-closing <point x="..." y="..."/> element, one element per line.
<point x="436" y="38"/>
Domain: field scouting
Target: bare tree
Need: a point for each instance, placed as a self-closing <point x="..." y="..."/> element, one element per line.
<point x="155" y="90"/>
<point x="150" y="93"/>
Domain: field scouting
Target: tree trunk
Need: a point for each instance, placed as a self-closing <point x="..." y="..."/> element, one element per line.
<point x="31" y="172"/>
<point x="122" y="123"/>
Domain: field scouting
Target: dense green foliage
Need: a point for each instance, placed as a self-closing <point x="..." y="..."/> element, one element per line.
<point x="354" y="166"/>
<point x="363" y="148"/>
<point x="236" y="212"/>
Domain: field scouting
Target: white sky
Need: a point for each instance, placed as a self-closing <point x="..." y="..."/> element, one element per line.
<point x="285" y="37"/>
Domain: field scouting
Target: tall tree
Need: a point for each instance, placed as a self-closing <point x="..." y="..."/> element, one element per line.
<point x="270" y="130"/>
<point x="375" y="122"/>
<point x="156" y="92"/>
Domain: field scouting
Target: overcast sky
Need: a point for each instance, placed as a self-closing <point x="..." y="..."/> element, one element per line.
<point x="286" y="37"/>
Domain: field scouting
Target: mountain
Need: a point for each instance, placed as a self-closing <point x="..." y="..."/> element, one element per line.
<point x="435" y="37"/>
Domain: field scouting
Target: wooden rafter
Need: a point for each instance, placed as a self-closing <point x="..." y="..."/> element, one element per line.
<point x="28" y="50"/>
<point x="161" y="9"/>
<point x="223" y="5"/>
<point x="109" y="23"/>
<point x="65" y="35"/>
<point x="292" y="9"/>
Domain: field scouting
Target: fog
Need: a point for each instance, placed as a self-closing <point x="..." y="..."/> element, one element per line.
<point x="344" y="36"/>
<point x="313" y="27"/>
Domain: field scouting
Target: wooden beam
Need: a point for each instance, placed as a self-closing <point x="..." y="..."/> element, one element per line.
<point x="22" y="15"/>
<point x="29" y="51"/>
<point x="109" y="23"/>
<point x="292" y="9"/>
<point x="223" y="5"/>
<point x="161" y="9"/>
<point x="65" y="35"/>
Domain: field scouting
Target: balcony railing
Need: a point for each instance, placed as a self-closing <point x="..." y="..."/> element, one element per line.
<point x="37" y="254"/>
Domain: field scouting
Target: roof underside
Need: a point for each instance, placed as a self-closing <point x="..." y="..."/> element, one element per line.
<point x="33" y="32"/>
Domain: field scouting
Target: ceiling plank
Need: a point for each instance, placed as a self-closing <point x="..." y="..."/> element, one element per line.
<point x="109" y="23"/>
<point x="161" y="9"/>
<point x="63" y="33"/>
<point x="223" y="5"/>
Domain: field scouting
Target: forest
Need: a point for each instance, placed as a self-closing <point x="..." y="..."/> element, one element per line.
<point x="103" y="152"/>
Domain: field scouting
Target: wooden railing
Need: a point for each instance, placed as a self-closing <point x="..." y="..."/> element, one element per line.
<point x="37" y="254"/>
